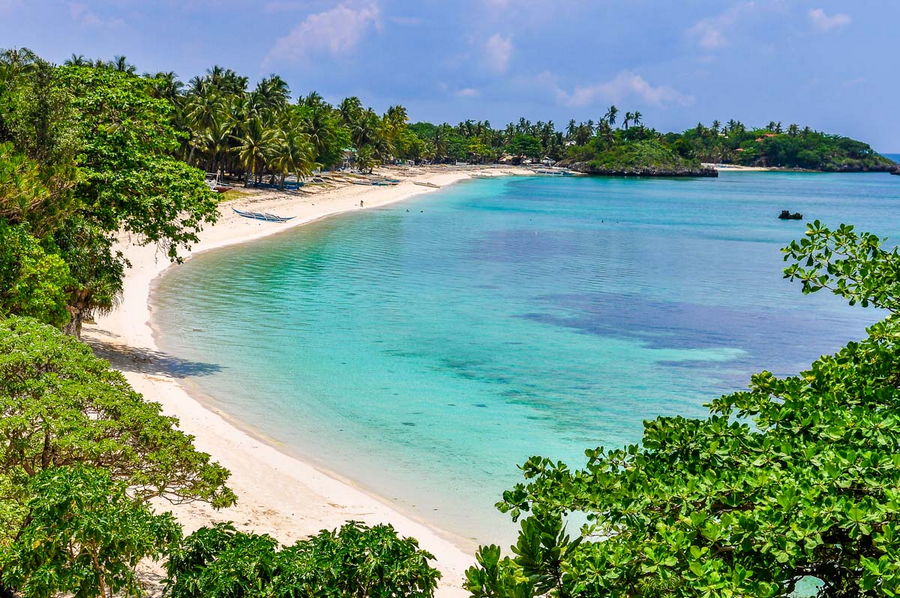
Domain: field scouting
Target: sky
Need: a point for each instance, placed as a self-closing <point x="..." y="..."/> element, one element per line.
<point x="822" y="63"/>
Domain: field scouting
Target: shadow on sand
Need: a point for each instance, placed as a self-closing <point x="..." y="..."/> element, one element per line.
<point x="150" y="361"/>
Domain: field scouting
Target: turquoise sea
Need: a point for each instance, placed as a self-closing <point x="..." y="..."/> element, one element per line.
<point x="427" y="348"/>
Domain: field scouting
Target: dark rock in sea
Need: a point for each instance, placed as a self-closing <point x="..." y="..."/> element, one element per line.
<point x="895" y="169"/>
<point x="861" y="167"/>
<point x="644" y="171"/>
<point x="787" y="215"/>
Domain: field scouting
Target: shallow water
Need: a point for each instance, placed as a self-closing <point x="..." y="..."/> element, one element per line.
<point x="427" y="348"/>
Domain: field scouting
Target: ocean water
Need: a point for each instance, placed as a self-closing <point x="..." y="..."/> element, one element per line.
<point x="427" y="348"/>
<point x="894" y="157"/>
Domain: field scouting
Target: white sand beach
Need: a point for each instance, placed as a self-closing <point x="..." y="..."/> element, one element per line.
<point x="277" y="494"/>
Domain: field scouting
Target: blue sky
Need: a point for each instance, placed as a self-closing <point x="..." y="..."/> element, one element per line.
<point x="823" y="63"/>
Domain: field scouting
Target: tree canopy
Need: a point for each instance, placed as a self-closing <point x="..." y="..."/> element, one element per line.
<point x="62" y="406"/>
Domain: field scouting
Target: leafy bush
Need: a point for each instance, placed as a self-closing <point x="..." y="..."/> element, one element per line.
<point x="84" y="536"/>
<point x="355" y="561"/>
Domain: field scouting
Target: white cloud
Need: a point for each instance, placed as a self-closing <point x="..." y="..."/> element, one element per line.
<point x="624" y="86"/>
<point x="468" y="92"/>
<point x="825" y="23"/>
<point x="712" y="33"/>
<point x="334" y="32"/>
<point x="83" y="15"/>
<point x="498" y="50"/>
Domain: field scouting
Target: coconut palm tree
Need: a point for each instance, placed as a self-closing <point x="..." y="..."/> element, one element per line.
<point x="254" y="146"/>
<point x="611" y="113"/>
<point x="120" y="63"/>
<point x="270" y="96"/>
<point x="292" y="151"/>
<point x="166" y="86"/>
<point x="313" y="100"/>
<point x="226" y="80"/>
<point x="350" y="110"/>
<point x="77" y="60"/>
<point x="215" y="141"/>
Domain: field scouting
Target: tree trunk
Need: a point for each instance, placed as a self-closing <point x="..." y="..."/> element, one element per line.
<point x="73" y="328"/>
<point x="79" y="309"/>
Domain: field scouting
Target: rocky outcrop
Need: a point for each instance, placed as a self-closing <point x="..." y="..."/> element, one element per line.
<point x="861" y="167"/>
<point x="895" y="169"/>
<point x="644" y="171"/>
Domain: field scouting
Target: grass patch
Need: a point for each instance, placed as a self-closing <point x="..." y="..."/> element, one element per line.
<point x="232" y="194"/>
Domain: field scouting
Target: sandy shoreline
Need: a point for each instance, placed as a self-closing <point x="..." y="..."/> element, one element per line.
<point x="277" y="494"/>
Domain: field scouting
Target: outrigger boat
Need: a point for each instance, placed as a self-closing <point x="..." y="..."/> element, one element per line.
<point x="262" y="216"/>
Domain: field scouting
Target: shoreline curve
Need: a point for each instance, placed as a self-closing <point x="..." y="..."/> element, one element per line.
<point x="278" y="494"/>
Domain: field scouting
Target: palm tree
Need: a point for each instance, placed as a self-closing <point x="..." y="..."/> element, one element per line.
<point x="439" y="141"/>
<point x="167" y="86"/>
<point x="254" y="146"/>
<point x="292" y="151"/>
<point x="636" y="119"/>
<point x="627" y="120"/>
<point x="611" y="113"/>
<point x="216" y="141"/>
<point x="365" y="159"/>
<point x="312" y="100"/>
<point x="350" y="109"/>
<point x="226" y="80"/>
<point x="77" y="60"/>
<point x="17" y="60"/>
<point x="271" y="94"/>
<point x="120" y="63"/>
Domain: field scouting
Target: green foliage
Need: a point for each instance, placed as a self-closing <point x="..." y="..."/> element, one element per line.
<point x="794" y="148"/>
<point x="219" y="562"/>
<point x="97" y="269"/>
<point x="850" y="264"/>
<point x="639" y="155"/>
<point x="84" y="536"/>
<point x="33" y="281"/>
<point x="365" y="159"/>
<point x="796" y="477"/>
<point x="355" y="561"/>
<point x="60" y="406"/>
<point x="130" y="181"/>
<point x="32" y="193"/>
<point x="527" y="146"/>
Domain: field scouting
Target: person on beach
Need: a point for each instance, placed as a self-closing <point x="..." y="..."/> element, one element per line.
<point x="360" y="203"/>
